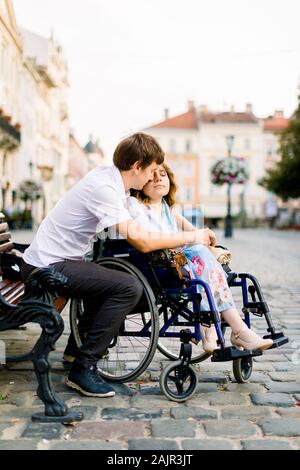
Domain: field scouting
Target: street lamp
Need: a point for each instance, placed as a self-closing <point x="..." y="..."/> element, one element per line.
<point x="229" y="170"/>
<point x="228" y="219"/>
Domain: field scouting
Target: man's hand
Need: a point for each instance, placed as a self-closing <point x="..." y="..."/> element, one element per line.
<point x="206" y="237"/>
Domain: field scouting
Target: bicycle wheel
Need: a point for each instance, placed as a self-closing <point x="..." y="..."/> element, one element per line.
<point x="132" y="350"/>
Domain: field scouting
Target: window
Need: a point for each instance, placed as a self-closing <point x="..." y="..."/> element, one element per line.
<point x="247" y="144"/>
<point x="188" y="194"/>
<point x="188" y="146"/>
<point x="188" y="169"/>
<point x="172" y="146"/>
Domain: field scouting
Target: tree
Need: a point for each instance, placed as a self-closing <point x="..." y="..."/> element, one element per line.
<point x="284" y="178"/>
<point x="29" y="191"/>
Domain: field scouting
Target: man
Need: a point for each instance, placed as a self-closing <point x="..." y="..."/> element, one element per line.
<point x="97" y="202"/>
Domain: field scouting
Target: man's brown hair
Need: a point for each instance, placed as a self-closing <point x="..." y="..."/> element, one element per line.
<point x="142" y="148"/>
<point x="170" y="198"/>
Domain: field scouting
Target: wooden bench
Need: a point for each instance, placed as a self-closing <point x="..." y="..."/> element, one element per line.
<point x="36" y="301"/>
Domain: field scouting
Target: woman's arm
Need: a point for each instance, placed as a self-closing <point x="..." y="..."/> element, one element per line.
<point x="182" y="223"/>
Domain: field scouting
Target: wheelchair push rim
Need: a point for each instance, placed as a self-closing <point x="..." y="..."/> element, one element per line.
<point x="129" y="353"/>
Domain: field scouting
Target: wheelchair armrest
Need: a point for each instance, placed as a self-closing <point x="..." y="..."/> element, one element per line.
<point x="20" y="247"/>
<point x="221" y="246"/>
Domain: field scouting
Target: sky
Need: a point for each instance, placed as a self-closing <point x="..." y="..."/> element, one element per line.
<point x="131" y="59"/>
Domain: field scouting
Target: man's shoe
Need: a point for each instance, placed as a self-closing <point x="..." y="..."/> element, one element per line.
<point x="89" y="382"/>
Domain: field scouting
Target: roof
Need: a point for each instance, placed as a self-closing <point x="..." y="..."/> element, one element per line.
<point x="228" y="116"/>
<point x="192" y="119"/>
<point x="93" y="147"/>
<point x="275" y="123"/>
<point x="186" y="120"/>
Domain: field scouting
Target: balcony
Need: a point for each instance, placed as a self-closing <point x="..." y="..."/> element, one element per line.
<point x="10" y="136"/>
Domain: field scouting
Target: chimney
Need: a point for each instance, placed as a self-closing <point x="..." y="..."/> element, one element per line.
<point x="278" y="113"/>
<point x="249" y="109"/>
<point x="166" y="113"/>
<point x="190" y="105"/>
<point x="232" y="108"/>
<point x="203" y="109"/>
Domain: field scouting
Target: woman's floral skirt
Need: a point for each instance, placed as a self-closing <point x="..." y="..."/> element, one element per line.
<point x="203" y="265"/>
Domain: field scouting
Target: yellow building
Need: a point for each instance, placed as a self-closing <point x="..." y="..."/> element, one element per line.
<point x="195" y="140"/>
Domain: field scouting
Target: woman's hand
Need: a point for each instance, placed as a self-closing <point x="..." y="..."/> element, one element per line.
<point x="206" y="237"/>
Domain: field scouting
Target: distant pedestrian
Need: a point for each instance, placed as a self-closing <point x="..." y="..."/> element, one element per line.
<point x="271" y="210"/>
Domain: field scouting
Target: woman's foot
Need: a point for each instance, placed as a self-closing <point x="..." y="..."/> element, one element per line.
<point x="209" y="339"/>
<point x="248" y="339"/>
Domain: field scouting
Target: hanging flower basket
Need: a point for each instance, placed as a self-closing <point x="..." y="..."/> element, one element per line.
<point x="30" y="190"/>
<point x="231" y="170"/>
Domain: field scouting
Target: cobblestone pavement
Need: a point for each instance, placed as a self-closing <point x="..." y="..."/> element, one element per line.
<point x="221" y="415"/>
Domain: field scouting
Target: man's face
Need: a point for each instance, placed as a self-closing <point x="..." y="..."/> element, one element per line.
<point x="144" y="175"/>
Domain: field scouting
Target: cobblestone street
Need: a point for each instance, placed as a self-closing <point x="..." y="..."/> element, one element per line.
<point x="222" y="414"/>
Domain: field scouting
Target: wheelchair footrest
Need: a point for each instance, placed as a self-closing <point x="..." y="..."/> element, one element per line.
<point x="278" y="339"/>
<point x="231" y="353"/>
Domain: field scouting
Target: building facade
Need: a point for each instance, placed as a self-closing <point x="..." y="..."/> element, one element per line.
<point x="78" y="161"/>
<point x="45" y="143"/>
<point x="195" y="140"/>
<point x="10" y="71"/>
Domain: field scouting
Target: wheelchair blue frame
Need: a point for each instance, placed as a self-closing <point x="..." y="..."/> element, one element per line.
<point x="174" y="299"/>
<point x="168" y="286"/>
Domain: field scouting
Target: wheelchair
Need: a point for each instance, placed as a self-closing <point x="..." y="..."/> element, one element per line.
<point x="168" y="318"/>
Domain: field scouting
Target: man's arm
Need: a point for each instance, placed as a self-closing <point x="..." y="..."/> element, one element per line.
<point x="146" y="241"/>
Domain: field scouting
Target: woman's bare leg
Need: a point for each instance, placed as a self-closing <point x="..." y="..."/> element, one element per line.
<point x="234" y="320"/>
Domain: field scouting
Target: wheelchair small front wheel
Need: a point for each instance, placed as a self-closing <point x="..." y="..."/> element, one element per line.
<point x="177" y="384"/>
<point x="242" y="369"/>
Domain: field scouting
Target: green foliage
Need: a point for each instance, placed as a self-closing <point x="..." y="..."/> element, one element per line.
<point x="284" y="178"/>
<point x="29" y="190"/>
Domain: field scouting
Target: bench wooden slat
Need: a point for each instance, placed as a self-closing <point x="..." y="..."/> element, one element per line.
<point x="3" y="227"/>
<point x="5" y="236"/>
<point x="8" y="286"/>
<point x="4" y="283"/>
<point x="16" y="295"/>
<point x="6" y="246"/>
<point x="13" y="291"/>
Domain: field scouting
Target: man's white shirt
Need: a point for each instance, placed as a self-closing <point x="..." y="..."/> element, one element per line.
<point x="97" y="202"/>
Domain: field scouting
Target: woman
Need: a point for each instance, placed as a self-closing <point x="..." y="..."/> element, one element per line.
<point x="157" y="212"/>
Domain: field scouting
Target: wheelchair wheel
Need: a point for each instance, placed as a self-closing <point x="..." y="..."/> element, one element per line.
<point x="176" y="388"/>
<point x="132" y="350"/>
<point x="170" y="347"/>
<point x="242" y="369"/>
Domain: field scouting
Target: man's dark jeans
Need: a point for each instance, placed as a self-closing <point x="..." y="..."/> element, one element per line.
<point x="108" y="296"/>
